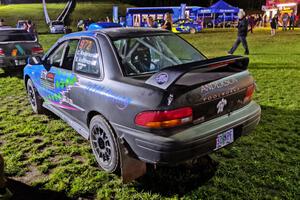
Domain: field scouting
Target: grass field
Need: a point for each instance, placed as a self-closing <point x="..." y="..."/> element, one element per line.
<point x="42" y="151"/>
<point x="12" y="13"/>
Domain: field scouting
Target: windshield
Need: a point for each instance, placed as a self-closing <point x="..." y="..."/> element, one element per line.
<point x="150" y="54"/>
<point x="16" y="36"/>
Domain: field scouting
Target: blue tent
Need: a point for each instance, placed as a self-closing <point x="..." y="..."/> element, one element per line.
<point x="222" y="10"/>
<point x="219" y="8"/>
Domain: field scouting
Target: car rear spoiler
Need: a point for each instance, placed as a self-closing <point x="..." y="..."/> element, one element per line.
<point x="168" y="76"/>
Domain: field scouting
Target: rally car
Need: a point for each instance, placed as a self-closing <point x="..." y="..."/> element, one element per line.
<point x="16" y="45"/>
<point x="186" y="26"/>
<point x="143" y="96"/>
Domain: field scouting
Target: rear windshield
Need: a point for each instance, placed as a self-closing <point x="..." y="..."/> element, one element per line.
<point x="57" y="23"/>
<point x="16" y="36"/>
<point x="150" y="54"/>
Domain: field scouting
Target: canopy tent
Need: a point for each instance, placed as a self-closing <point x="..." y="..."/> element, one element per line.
<point x="221" y="7"/>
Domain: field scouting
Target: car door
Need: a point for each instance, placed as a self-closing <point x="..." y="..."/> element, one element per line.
<point x="88" y="70"/>
<point x="62" y="78"/>
<point x="47" y="75"/>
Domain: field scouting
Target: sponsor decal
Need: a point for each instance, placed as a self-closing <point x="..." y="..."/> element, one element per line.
<point x="162" y="78"/>
<point x="55" y="88"/>
<point x="219" y="95"/>
<point x="47" y="79"/>
<point x="217" y="85"/>
<point x="170" y="99"/>
<point x="221" y="105"/>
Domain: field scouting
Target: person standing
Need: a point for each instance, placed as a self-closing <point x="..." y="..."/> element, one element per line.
<point x="151" y="23"/>
<point x="1" y="22"/>
<point x="168" y="22"/>
<point x="274" y="22"/>
<point x="285" y="20"/>
<point x="242" y="34"/>
<point x="259" y="21"/>
<point x="252" y="22"/>
<point x="30" y="27"/>
<point x="292" y="21"/>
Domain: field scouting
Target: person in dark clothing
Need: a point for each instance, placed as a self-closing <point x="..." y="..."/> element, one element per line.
<point x="1" y="22"/>
<point x="274" y="24"/>
<point x="292" y="21"/>
<point x="242" y="34"/>
<point x="251" y="22"/>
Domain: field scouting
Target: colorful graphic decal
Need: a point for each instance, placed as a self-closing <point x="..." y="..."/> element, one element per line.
<point x="111" y="96"/>
<point x="55" y="86"/>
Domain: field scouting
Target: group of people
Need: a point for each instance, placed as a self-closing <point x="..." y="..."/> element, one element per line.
<point x="245" y="22"/>
<point x="167" y="23"/>
<point x="286" y="19"/>
<point x="27" y="25"/>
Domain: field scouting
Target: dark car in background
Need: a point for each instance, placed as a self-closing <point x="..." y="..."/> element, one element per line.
<point x="144" y="94"/>
<point x="16" y="45"/>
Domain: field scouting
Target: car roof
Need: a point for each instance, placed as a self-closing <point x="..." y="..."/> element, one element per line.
<point x="116" y="33"/>
<point x="21" y="30"/>
<point x="102" y="25"/>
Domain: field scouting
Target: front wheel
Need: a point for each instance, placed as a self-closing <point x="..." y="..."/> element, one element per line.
<point x="192" y="31"/>
<point x="35" y="99"/>
<point x="104" y="144"/>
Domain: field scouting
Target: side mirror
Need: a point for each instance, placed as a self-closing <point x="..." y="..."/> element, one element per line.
<point x="34" y="60"/>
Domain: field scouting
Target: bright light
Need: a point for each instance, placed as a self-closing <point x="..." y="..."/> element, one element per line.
<point x="286" y="4"/>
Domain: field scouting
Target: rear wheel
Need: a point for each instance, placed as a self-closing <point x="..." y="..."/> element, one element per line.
<point x="35" y="99"/>
<point x="104" y="144"/>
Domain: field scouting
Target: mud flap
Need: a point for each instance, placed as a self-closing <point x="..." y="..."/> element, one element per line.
<point x="131" y="168"/>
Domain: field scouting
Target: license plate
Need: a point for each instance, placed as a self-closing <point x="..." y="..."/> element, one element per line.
<point x="20" y="62"/>
<point x="224" y="139"/>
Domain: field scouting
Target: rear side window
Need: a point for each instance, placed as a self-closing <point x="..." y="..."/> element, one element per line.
<point x="87" y="58"/>
<point x="16" y="36"/>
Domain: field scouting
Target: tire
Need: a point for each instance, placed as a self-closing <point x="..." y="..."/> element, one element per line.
<point x="192" y="31"/>
<point x="35" y="99"/>
<point x="104" y="144"/>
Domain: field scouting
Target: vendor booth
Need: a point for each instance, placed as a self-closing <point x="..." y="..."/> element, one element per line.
<point x="137" y="16"/>
<point x="219" y="13"/>
<point x="280" y="7"/>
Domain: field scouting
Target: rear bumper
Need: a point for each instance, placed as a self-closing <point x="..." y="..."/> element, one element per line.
<point x="13" y="62"/>
<point x="193" y="142"/>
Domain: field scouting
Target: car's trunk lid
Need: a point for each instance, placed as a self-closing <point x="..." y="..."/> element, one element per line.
<point x="216" y="87"/>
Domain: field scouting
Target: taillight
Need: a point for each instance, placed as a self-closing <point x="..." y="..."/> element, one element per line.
<point x="37" y="50"/>
<point x="2" y="53"/>
<point x="249" y="93"/>
<point x="164" y="119"/>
